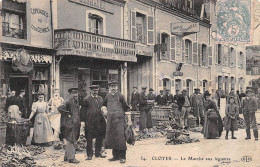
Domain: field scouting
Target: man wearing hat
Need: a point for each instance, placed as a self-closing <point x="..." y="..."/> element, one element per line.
<point x="151" y="95"/>
<point x="161" y="99"/>
<point x="145" y="115"/>
<point x="249" y="107"/>
<point x="134" y="99"/>
<point x="70" y="124"/>
<point x="169" y="97"/>
<point x="115" y="131"/>
<point x="95" y="124"/>
<point x="197" y="105"/>
<point x="21" y="103"/>
<point x="54" y="103"/>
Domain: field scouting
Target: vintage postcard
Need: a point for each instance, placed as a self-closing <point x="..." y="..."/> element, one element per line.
<point x="130" y="83"/>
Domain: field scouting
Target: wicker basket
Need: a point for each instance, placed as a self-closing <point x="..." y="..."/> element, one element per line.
<point x="2" y="133"/>
<point x="17" y="133"/>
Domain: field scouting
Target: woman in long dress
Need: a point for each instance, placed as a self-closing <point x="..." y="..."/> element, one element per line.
<point x="42" y="132"/>
<point x="212" y="128"/>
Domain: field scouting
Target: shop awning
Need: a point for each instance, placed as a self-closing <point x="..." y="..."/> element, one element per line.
<point x="20" y="1"/>
<point x="23" y="54"/>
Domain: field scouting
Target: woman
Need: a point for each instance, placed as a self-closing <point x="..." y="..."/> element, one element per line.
<point x="54" y="103"/>
<point x="42" y="132"/>
<point x="212" y="127"/>
<point x="230" y="120"/>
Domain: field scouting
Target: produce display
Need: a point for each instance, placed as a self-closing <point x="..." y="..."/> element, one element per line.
<point x="81" y="144"/>
<point x="241" y="123"/>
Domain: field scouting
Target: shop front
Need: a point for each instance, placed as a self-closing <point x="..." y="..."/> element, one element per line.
<point x="85" y="59"/>
<point x="28" y="70"/>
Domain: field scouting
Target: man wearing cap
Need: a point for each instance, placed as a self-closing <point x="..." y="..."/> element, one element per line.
<point x="95" y="124"/>
<point x="249" y="107"/>
<point x="197" y="105"/>
<point x="21" y="103"/>
<point x="161" y="99"/>
<point x="55" y="117"/>
<point x="70" y="124"/>
<point x="169" y="97"/>
<point x="145" y="113"/>
<point x="115" y="131"/>
<point x="151" y="95"/>
<point x="135" y="97"/>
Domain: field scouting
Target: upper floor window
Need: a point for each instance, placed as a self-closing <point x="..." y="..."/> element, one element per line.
<point x="140" y="28"/>
<point x="204" y="54"/>
<point x="241" y="59"/>
<point x="232" y="57"/>
<point x="95" y="24"/>
<point x="219" y="54"/>
<point x="188" y="51"/>
<point x="13" y="19"/>
<point x="165" y="46"/>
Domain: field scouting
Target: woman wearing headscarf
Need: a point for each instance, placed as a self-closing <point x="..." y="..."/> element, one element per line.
<point x="42" y="132"/>
<point x="213" y="125"/>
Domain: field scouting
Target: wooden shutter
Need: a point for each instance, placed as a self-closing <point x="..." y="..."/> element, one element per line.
<point x="160" y="84"/>
<point x="225" y="55"/>
<point x="229" y="56"/>
<point x="183" y="50"/>
<point x="159" y="42"/>
<point x="216" y="54"/>
<point x="190" y="53"/>
<point x="172" y="50"/>
<point x="184" y="84"/>
<point x="195" y="52"/>
<point x="210" y="55"/>
<point x="150" y="30"/>
<point x="172" y="84"/>
<point x="234" y="58"/>
<point x="200" y="54"/>
<point x="133" y="26"/>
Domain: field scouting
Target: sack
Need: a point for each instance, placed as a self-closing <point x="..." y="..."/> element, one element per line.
<point x="129" y="134"/>
<point x="212" y="114"/>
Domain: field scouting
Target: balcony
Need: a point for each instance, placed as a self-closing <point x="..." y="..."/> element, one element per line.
<point x="80" y="43"/>
<point x="12" y="32"/>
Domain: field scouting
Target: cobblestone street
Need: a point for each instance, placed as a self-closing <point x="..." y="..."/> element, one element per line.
<point x="154" y="152"/>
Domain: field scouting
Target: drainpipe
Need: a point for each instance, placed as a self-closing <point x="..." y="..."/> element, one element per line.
<point x="52" y="46"/>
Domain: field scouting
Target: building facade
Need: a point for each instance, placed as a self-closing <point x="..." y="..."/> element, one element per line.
<point x="26" y="48"/>
<point x="253" y="66"/>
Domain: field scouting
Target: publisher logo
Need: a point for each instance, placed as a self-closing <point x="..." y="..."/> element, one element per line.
<point x="246" y="158"/>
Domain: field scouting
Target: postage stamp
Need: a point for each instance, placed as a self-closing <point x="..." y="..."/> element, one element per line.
<point x="233" y="20"/>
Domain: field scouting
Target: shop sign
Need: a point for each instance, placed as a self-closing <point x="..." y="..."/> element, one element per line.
<point x="177" y="73"/>
<point x="41" y="34"/>
<point x="184" y="27"/>
<point x="144" y="53"/>
<point x="226" y="70"/>
<point x="97" y="4"/>
<point x="97" y="55"/>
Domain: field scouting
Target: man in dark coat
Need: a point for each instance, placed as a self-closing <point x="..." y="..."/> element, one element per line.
<point x="145" y="113"/>
<point x="197" y="102"/>
<point x="115" y="131"/>
<point x="70" y="124"/>
<point x="151" y="95"/>
<point x="134" y="99"/>
<point x="21" y="103"/>
<point x="161" y="99"/>
<point x="12" y="100"/>
<point x="95" y="124"/>
<point x="169" y="97"/>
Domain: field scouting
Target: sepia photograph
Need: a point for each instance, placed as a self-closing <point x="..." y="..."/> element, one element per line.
<point x="129" y="83"/>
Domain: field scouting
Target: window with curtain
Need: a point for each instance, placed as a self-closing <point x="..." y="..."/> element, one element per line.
<point x="95" y="24"/>
<point x="13" y="25"/>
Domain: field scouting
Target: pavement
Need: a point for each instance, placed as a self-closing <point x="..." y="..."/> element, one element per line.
<point x="154" y="153"/>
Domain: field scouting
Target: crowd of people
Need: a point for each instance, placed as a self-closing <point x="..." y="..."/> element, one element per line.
<point x="104" y="119"/>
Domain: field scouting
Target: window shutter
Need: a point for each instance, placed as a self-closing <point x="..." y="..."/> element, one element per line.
<point x="150" y="30"/>
<point x="178" y="50"/>
<point x="229" y="56"/>
<point x="190" y="53"/>
<point x="172" y="83"/>
<point x="225" y="55"/>
<point x="216" y="54"/>
<point x="159" y="42"/>
<point x="173" y="43"/>
<point x="210" y="55"/>
<point x="200" y="54"/>
<point x="234" y="58"/>
<point x="160" y="84"/>
<point x="133" y="25"/>
<point x="183" y="50"/>
<point x="195" y="52"/>
<point x="184" y="84"/>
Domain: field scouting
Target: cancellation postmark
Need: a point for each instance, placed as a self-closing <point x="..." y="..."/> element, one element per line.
<point x="233" y="21"/>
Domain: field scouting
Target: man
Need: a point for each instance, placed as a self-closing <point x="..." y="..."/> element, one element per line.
<point x="217" y="96"/>
<point x="161" y="99"/>
<point x="151" y="95"/>
<point x="177" y="94"/>
<point x="169" y="97"/>
<point x="186" y="108"/>
<point x="21" y="103"/>
<point x="134" y="99"/>
<point x="12" y="100"/>
<point x="115" y="131"/>
<point x="95" y="124"/>
<point x="70" y="124"/>
<point x="145" y="113"/>
<point x="236" y="97"/>
<point x="249" y="107"/>
<point x="197" y="102"/>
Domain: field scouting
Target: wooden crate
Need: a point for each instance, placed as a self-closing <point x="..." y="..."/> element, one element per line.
<point x="161" y="113"/>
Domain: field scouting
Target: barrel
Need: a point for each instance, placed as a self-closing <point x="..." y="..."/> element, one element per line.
<point x="17" y="133"/>
<point x="191" y="121"/>
<point x="2" y="133"/>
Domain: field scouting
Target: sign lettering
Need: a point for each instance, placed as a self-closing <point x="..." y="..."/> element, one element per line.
<point x="184" y="27"/>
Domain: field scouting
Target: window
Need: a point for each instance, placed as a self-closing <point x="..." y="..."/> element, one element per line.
<point x="188" y="51"/>
<point x="166" y="84"/>
<point x="241" y="59"/>
<point x="178" y="84"/>
<point x="13" y="25"/>
<point x="204" y="55"/>
<point x="95" y="24"/>
<point x="205" y="85"/>
<point x="165" y="46"/>
<point x="189" y="86"/>
<point x="141" y="28"/>
<point x="232" y="57"/>
<point x="219" y="53"/>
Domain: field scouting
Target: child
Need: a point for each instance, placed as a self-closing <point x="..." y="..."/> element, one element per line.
<point x="230" y="120"/>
